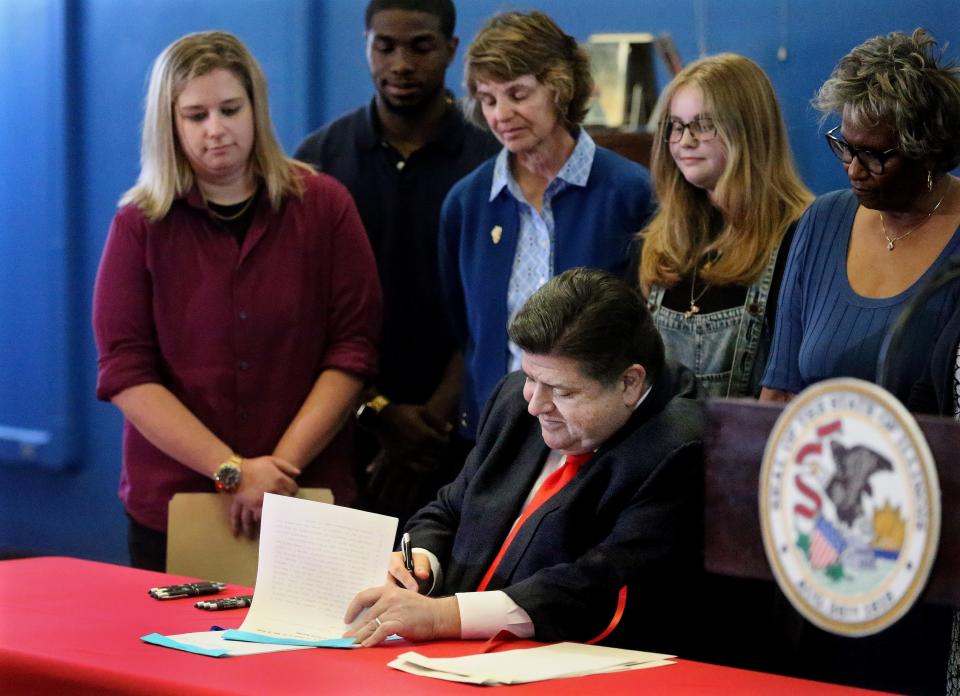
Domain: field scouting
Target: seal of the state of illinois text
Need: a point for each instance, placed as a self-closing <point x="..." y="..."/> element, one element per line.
<point x="849" y="506"/>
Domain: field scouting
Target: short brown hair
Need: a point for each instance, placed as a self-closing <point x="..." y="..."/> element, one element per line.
<point x="594" y="318"/>
<point x="513" y="44"/>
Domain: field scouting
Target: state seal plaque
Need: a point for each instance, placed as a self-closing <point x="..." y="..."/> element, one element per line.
<point x="849" y="506"/>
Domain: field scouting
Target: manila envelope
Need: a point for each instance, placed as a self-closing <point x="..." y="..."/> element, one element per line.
<point x="201" y="545"/>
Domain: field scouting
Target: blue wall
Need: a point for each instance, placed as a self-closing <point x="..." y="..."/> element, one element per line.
<point x="72" y="76"/>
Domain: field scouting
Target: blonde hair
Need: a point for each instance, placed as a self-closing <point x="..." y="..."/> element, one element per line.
<point x="514" y="44"/>
<point x="165" y="172"/>
<point x="758" y="194"/>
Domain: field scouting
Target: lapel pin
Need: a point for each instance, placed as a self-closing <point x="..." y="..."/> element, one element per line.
<point x="496" y="233"/>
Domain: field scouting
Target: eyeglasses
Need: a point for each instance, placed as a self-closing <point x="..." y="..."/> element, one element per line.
<point x="871" y="160"/>
<point x="701" y="128"/>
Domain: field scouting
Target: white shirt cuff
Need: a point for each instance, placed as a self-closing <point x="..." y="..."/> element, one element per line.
<point x="485" y="614"/>
<point x="435" y="568"/>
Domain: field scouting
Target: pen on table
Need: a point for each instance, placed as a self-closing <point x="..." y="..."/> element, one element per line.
<point x="192" y="589"/>
<point x="405" y="552"/>
<point x="225" y="603"/>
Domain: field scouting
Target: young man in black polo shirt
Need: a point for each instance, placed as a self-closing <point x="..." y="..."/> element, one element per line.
<point x="399" y="156"/>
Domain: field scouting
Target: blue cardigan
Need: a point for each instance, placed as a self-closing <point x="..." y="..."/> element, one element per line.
<point x="594" y="225"/>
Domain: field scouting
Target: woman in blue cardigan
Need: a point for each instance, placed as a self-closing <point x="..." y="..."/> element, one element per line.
<point x="551" y="200"/>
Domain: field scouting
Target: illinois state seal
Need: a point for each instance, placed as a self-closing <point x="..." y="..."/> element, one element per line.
<point x="849" y="506"/>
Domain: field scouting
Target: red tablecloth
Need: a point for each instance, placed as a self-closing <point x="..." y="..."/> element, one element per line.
<point x="69" y="626"/>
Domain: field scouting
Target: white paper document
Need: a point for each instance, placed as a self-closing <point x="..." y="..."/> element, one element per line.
<point x="314" y="558"/>
<point x="529" y="664"/>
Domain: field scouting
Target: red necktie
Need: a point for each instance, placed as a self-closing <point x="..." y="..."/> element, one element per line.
<point x="553" y="483"/>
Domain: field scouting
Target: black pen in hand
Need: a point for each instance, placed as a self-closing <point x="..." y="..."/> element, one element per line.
<point x="406" y="553"/>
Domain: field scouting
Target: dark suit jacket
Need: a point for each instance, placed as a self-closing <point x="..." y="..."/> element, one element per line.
<point x="631" y="516"/>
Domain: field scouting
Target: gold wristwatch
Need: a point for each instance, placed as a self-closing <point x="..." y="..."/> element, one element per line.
<point x="227" y="478"/>
<point x="368" y="412"/>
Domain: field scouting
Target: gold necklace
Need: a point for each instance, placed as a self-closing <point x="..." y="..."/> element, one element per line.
<point x="228" y="218"/>
<point x="883" y="224"/>
<point x="694" y="309"/>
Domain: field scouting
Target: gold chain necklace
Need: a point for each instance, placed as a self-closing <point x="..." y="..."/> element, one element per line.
<point x="228" y="218"/>
<point x="891" y="242"/>
<point x="694" y="308"/>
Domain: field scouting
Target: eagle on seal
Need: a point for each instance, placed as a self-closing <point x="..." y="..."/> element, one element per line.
<point x="851" y="479"/>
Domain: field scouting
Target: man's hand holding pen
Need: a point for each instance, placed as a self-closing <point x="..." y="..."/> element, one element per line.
<point x="415" y="574"/>
<point x="398" y="606"/>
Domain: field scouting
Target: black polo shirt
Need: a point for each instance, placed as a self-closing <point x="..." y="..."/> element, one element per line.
<point x="399" y="202"/>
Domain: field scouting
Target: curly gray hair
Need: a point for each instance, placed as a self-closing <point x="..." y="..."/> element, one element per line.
<point x="900" y="82"/>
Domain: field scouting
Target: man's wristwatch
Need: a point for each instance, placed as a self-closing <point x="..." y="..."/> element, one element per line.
<point x="227" y="478"/>
<point x="368" y="412"/>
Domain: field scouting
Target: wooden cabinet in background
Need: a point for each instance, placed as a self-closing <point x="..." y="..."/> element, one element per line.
<point x="634" y="146"/>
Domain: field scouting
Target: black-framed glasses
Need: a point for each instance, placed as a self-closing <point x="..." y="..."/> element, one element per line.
<point x="701" y="128"/>
<point x="871" y="160"/>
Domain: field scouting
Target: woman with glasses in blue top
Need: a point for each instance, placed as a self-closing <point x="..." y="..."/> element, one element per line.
<point x="713" y="256"/>
<point x="861" y="254"/>
<point x="859" y="257"/>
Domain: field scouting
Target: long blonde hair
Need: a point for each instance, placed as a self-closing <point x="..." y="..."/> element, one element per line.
<point x="758" y="194"/>
<point x="165" y="172"/>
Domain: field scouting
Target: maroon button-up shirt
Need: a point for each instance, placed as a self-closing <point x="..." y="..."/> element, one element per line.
<point x="238" y="334"/>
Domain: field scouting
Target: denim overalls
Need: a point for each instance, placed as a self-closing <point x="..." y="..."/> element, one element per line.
<point x="727" y="349"/>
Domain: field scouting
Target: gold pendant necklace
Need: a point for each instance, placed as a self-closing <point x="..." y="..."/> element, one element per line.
<point x="694" y="308"/>
<point x="891" y="241"/>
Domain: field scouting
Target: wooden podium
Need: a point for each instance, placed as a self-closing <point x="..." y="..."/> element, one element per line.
<point x="737" y="431"/>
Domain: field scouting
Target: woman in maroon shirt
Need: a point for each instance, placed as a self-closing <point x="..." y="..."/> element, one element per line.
<point x="236" y="306"/>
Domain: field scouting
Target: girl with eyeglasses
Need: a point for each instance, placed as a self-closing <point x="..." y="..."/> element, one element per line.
<point x="709" y="264"/>
<point x="711" y="259"/>
<point x="861" y="254"/>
